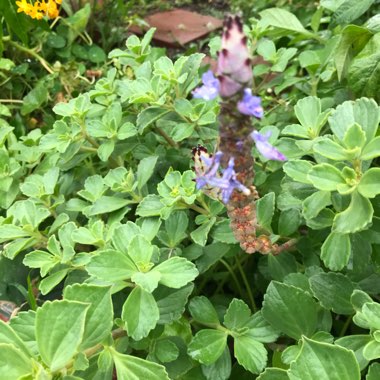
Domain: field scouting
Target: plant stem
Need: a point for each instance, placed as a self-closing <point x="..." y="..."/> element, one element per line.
<point x="169" y="140"/>
<point x="247" y="286"/>
<point x="198" y="209"/>
<point x="32" y="53"/>
<point x="233" y="275"/>
<point x="117" y="333"/>
<point x="345" y="326"/>
<point x="11" y="101"/>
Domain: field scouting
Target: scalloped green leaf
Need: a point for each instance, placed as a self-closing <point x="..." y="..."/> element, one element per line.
<point x="336" y="251"/>
<point x="140" y="313"/>
<point x="315" y="362"/>
<point x="369" y="185"/>
<point x="326" y="177"/>
<point x="290" y="310"/>
<point x="59" y="331"/>
<point x="356" y="217"/>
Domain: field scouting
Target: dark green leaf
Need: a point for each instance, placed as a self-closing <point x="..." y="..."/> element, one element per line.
<point x="171" y="302"/>
<point x="314" y="359"/>
<point x="34" y="99"/>
<point x="148" y="116"/>
<point x="352" y="41"/>
<point x="350" y="10"/>
<point x="290" y="310"/>
<point x="202" y="310"/>
<point x="237" y="315"/>
<point x="145" y="170"/>
<point x="364" y="72"/>
<point x="96" y="54"/>
<point x="333" y="290"/>
<point x="265" y="210"/>
<point x="373" y="371"/>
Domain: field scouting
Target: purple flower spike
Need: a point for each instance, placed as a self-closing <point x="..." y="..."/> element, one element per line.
<point x="210" y="88"/>
<point x="250" y="105"/>
<point x="265" y="148"/>
<point x="229" y="175"/>
<point x="226" y="183"/>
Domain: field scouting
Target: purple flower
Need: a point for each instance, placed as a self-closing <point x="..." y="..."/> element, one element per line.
<point x="265" y="148"/>
<point x="227" y="183"/>
<point x="210" y="88"/>
<point x="250" y="105"/>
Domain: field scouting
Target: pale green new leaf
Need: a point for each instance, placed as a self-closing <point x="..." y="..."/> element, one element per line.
<point x="130" y="367"/>
<point x="336" y="251"/>
<point x="111" y="266"/>
<point x="99" y="317"/>
<point x="176" y="272"/>
<point x="356" y="217"/>
<point x="326" y="177"/>
<point x="9" y="336"/>
<point x="140" y="313"/>
<point x="59" y="331"/>
<point x="369" y="185"/>
<point x="14" y="364"/>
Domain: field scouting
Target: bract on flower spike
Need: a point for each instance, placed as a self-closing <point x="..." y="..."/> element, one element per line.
<point x="234" y="61"/>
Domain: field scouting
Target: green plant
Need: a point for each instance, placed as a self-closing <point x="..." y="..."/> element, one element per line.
<point x="119" y="263"/>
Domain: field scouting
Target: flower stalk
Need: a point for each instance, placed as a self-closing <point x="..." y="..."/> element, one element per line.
<point x="229" y="173"/>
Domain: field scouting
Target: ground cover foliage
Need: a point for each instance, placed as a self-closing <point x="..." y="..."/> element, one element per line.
<point x="120" y="267"/>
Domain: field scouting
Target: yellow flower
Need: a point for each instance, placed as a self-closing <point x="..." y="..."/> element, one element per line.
<point x="41" y="5"/>
<point x="24" y="6"/>
<point x="35" y="13"/>
<point x="39" y="9"/>
<point x="52" y="10"/>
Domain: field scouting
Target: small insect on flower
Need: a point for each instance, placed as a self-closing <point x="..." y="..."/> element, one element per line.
<point x="218" y="181"/>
